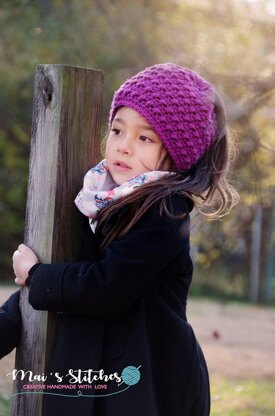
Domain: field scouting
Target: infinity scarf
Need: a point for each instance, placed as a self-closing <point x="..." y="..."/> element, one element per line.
<point x="99" y="189"/>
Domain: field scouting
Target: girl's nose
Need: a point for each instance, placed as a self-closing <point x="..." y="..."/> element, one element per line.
<point x="125" y="145"/>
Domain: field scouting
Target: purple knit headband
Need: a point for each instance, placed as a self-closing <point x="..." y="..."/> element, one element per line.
<point x="178" y="104"/>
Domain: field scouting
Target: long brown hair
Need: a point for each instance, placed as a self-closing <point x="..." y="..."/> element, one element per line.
<point x="206" y="184"/>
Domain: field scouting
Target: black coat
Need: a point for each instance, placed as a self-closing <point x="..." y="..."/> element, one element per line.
<point x="124" y="308"/>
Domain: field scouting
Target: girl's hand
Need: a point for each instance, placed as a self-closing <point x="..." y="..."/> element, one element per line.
<point x="23" y="260"/>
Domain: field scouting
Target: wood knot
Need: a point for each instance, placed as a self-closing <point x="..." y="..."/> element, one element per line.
<point x="47" y="91"/>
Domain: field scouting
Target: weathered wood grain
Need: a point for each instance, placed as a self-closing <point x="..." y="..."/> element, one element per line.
<point x="64" y="145"/>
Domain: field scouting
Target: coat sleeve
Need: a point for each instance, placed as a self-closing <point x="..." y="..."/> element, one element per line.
<point x="10" y="324"/>
<point x="108" y="288"/>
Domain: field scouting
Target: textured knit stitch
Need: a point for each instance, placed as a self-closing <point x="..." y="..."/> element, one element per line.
<point x="178" y="104"/>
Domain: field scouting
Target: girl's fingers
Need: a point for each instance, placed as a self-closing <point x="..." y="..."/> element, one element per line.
<point x="18" y="251"/>
<point x="15" y="254"/>
<point x="18" y="281"/>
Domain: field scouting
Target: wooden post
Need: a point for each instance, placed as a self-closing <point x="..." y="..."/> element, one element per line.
<point x="64" y="145"/>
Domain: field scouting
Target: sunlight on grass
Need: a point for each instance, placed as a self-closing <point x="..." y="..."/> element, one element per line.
<point x="229" y="398"/>
<point x="242" y="398"/>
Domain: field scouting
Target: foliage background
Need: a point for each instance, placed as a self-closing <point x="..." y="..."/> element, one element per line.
<point x="231" y="43"/>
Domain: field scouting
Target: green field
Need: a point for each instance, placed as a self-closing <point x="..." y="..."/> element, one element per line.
<point x="245" y="398"/>
<point x="229" y="398"/>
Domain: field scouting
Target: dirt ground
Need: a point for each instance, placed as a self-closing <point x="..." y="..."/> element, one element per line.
<point x="238" y="340"/>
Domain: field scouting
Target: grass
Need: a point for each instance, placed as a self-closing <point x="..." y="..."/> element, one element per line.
<point x="229" y="398"/>
<point x="242" y="398"/>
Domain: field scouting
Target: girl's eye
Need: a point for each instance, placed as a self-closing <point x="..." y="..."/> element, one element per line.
<point x="145" y="139"/>
<point x="116" y="131"/>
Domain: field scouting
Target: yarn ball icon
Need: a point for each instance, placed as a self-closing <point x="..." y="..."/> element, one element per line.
<point x="130" y="375"/>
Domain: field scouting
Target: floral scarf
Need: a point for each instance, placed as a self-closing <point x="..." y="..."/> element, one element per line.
<point x="99" y="189"/>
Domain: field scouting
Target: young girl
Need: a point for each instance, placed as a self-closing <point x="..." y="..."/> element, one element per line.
<point x="121" y="307"/>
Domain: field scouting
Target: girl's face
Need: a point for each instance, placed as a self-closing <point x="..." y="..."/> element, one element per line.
<point x="132" y="146"/>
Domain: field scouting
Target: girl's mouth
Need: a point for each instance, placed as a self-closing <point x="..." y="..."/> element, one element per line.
<point x="121" y="166"/>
